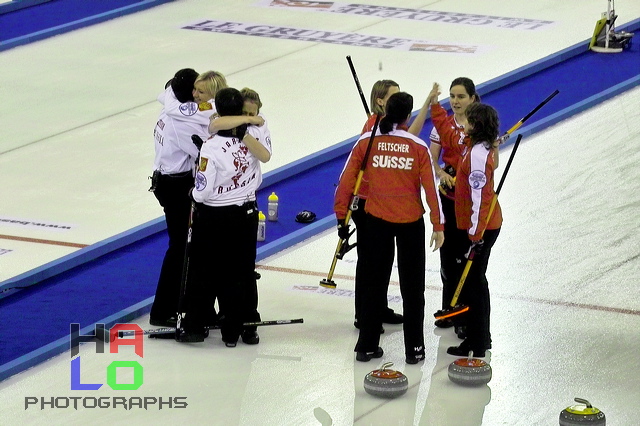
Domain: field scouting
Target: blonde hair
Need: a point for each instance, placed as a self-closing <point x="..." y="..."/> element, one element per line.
<point x="379" y="90"/>
<point x="251" y="96"/>
<point x="213" y="82"/>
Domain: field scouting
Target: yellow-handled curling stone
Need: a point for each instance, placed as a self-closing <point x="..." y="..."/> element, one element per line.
<point x="470" y="371"/>
<point x="582" y="414"/>
<point x="386" y="383"/>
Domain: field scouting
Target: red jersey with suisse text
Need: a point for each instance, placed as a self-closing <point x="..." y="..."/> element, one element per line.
<point x="368" y="127"/>
<point x="474" y="192"/>
<point x="399" y="164"/>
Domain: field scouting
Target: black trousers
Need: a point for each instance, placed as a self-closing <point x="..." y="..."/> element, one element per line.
<point x="358" y="217"/>
<point x="476" y="294"/>
<point x="173" y="195"/>
<point x="222" y="263"/>
<point x="452" y="260"/>
<point x="377" y="257"/>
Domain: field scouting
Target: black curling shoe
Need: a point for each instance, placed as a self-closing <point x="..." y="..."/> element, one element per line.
<point x="391" y="317"/>
<point x="366" y="356"/>
<point x="443" y="323"/>
<point x="250" y="337"/>
<point x="414" y="359"/>
<point x="465" y="348"/>
<point x="167" y="322"/>
<point x="185" y="336"/>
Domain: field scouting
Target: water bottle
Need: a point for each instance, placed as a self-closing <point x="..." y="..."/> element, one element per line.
<point x="262" y="227"/>
<point x="272" y="209"/>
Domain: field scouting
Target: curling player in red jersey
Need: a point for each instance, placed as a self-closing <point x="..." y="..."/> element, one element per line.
<point x="449" y="139"/>
<point x="473" y="196"/>
<point x="381" y="91"/>
<point x="398" y="165"/>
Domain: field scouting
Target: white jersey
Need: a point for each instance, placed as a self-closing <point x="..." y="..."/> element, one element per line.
<point x="261" y="133"/>
<point x="175" y="151"/>
<point x="228" y="174"/>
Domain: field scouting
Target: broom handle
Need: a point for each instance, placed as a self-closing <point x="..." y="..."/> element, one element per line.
<point x="513" y="128"/>
<point x="356" y="189"/>
<point x="340" y="240"/>
<point x="355" y="78"/>
<point x="526" y="117"/>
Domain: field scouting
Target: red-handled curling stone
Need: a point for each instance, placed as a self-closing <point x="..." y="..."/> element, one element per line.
<point x="386" y="383"/>
<point x="582" y="414"/>
<point x="470" y="371"/>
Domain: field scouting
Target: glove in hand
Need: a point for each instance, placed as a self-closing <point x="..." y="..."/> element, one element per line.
<point x="475" y="249"/>
<point x="197" y="141"/>
<point x="343" y="229"/>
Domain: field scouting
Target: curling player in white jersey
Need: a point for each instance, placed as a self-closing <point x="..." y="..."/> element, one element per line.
<point x="258" y="129"/>
<point x="172" y="179"/>
<point x="223" y="250"/>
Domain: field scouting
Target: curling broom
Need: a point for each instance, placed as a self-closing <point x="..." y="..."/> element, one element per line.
<point x="343" y="245"/>
<point x="353" y="205"/>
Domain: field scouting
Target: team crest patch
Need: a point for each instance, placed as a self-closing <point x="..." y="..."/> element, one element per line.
<point x="477" y="179"/>
<point x="188" y="108"/>
<point x="204" y="106"/>
<point x="201" y="181"/>
<point x="203" y="164"/>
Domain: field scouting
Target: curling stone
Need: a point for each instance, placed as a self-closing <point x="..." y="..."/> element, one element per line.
<point x="386" y="383"/>
<point x="470" y="371"/>
<point x="583" y="414"/>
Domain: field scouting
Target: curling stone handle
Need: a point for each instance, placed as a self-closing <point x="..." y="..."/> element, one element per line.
<point x="583" y="401"/>
<point x="385" y="365"/>
<point x="470" y="354"/>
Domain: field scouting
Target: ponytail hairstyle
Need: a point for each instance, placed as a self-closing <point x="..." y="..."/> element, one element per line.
<point x="229" y="101"/>
<point x="379" y="91"/>
<point x="468" y="85"/>
<point x="398" y="108"/>
<point x="485" y="124"/>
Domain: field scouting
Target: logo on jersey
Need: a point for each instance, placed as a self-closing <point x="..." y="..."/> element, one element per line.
<point x="204" y="106"/>
<point x="241" y="163"/>
<point x="188" y="108"/>
<point x="477" y="179"/>
<point x="201" y="181"/>
<point x="203" y="164"/>
<point x="157" y="134"/>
